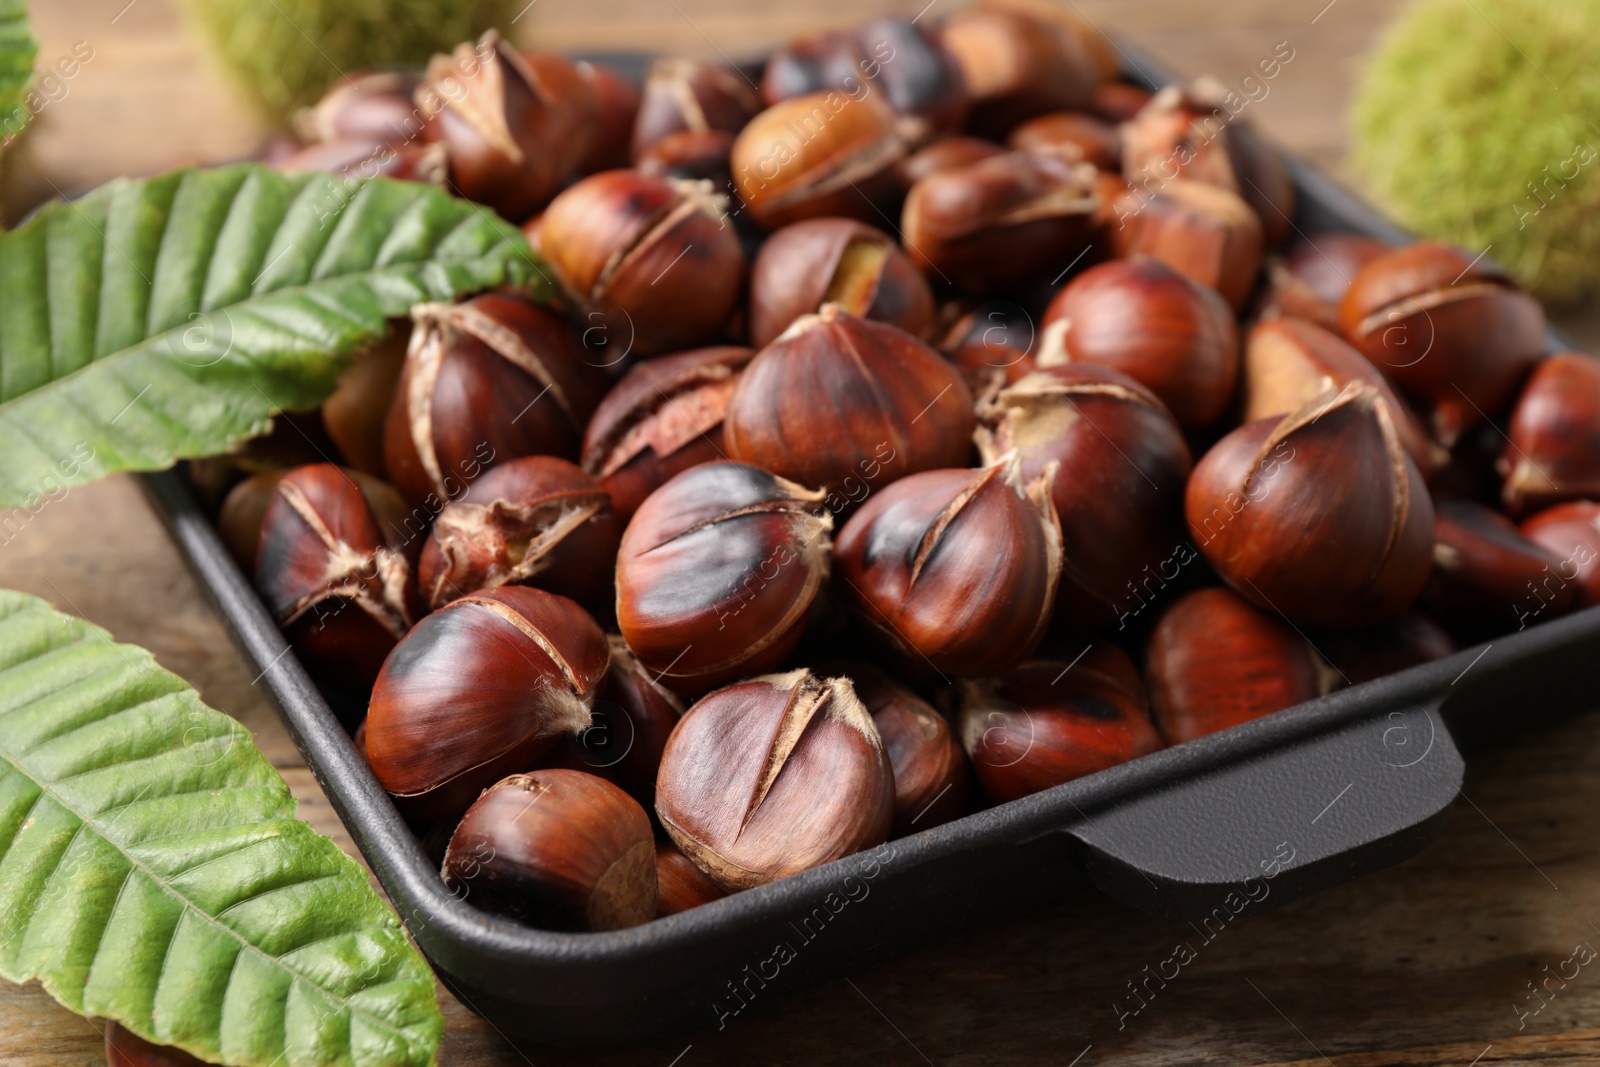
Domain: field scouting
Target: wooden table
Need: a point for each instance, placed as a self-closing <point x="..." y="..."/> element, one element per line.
<point x="1423" y="964"/>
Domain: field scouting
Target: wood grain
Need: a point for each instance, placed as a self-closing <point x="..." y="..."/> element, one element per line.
<point x="1423" y="964"/>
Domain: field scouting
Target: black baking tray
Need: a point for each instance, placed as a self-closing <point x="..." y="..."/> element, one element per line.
<point x="1245" y="819"/>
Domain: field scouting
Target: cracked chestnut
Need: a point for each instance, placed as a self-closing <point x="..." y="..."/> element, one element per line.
<point x="1075" y="133"/>
<point x="1201" y="230"/>
<point x="1486" y="573"/>
<point x="1310" y="279"/>
<point x="1552" y="449"/>
<point x="931" y="779"/>
<point x="691" y="95"/>
<point x="1017" y="63"/>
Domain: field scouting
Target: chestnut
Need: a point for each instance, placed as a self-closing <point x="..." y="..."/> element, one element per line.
<point x="690" y="155"/>
<point x="1118" y="491"/>
<point x="243" y="509"/>
<point x="956" y="568"/>
<point x="1189" y="132"/>
<point x="838" y="399"/>
<point x="682" y="885"/>
<point x="821" y="154"/>
<point x="1158" y="326"/>
<point x="355" y="412"/>
<point x="1118" y="101"/>
<point x="1404" y="641"/>
<point x="1289" y="362"/>
<point x="773" y="776"/>
<point x="371" y="106"/>
<point x="717" y="573"/>
<point x="124" y="1048"/>
<point x="662" y="418"/>
<point x="1076" y="133"/>
<point x="1215" y="660"/>
<point x="484" y="381"/>
<point x="514" y="125"/>
<point x="1204" y="231"/>
<point x="1047" y="722"/>
<point x="947" y="153"/>
<point x="930" y="770"/>
<point x="1486" y="573"/>
<point x="330" y="569"/>
<point x="1453" y="332"/>
<point x="1571" y="532"/>
<point x="1552" y="450"/>
<point x="910" y="67"/>
<point x="1319" y="514"/>
<point x="537" y="520"/>
<point x="992" y="342"/>
<point x="557" y="849"/>
<point x="1311" y="278"/>
<point x="479" y="689"/>
<point x="832" y="260"/>
<point x="649" y="258"/>
<point x="688" y="94"/>
<point x="1001" y="223"/>
<point x="1016" y="64"/>
<point x="617" y="100"/>
<point x="360" y="158"/>
<point x="632" y="720"/>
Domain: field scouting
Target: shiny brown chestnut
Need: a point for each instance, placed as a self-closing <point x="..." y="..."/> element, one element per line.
<point x="330" y="569"/>
<point x="1310" y="279"/>
<point x="717" y="573"/>
<point x="1048" y="722"/>
<point x="617" y="100"/>
<point x="1154" y="324"/>
<point x="1204" y="231"/>
<point x="1076" y="133"/>
<point x="662" y="418"/>
<point x="1016" y="65"/>
<point x="1552" y="450"/>
<point x="821" y="154"/>
<point x="1001" y="223"/>
<point x="838" y="399"/>
<point x="955" y="568"/>
<point x="373" y="106"/>
<point x="354" y="414"/>
<point x="632" y="719"/>
<point x="888" y="55"/>
<point x="535" y="520"/>
<point x="124" y="1048"/>
<point x="1214" y="660"/>
<point x="1486" y="573"/>
<point x="931" y="779"/>
<point x="243" y="509"/>
<point x="947" y="153"/>
<point x="688" y="94"/>
<point x="995" y="341"/>
<point x="774" y="776"/>
<point x="1289" y="362"/>
<point x="556" y="849"/>
<point x="1188" y="131"/>
<point x="1453" y="332"/>
<point x="1319" y="514"/>
<point x="484" y="381"/>
<point x="690" y="155"/>
<point x="515" y="125"/>
<point x="1372" y="652"/>
<point x="1571" y="532"/>
<point x="480" y="689"/>
<point x="649" y="258"/>
<point x="833" y="260"/>
<point x="1122" y="465"/>
<point x="682" y="884"/>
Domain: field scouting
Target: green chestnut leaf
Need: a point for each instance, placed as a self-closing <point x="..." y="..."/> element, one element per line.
<point x="165" y="318"/>
<point x="152" y="870"/>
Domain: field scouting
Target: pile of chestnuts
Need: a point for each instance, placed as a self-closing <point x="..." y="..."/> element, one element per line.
<point x="924" y="422"/>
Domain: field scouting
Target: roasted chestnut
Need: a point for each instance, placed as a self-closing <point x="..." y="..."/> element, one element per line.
<point x="538" y="521"/>
<point x="332" y="573"/>
<point x="1319" y="515"/>
<point x="663" y="417"/>
<point x="1075" y="133"/>
<point x="1289" y="362"/>
<point x="360" y="158"/>
<point x="839" y="400"/>
<point x="515" y="125"/>
<point x="1001" y="223"/>
<point x="995" y="341"/>
<point x="955" y="568"/>
<point x="841" y="261"/>
<point x="690" y="155"/>
<point x="243" y="509"/>
<point x="1215" y="661"/>
<point x="557" y="849"/>
<point x="947" y="153"/>
<point x="479" y="689"/>
<point x="617" y="100"/>
<point x="632" y="720"/>
<point x="1016" y="65"/>
<point x="930" y="770"/>
<point x="1118" y="490"/>
<point x="354" y="414"/>
<point x="1311" y="278"/>
<point x="1486" y="573"/>
<point x="1151" y="322"/>
<point x="1117" y="101"/>
<point x="1454" y="332"/>
<point x="682" y="885"/>
<point x="371" y="106"/>
<point x="1048" y="722"/>
<point x="821" y="154"/>
<point x="1204" y="231"/>
<point x="484" y="381"/>
<point x="649" y="258"/>
<point x="1552" y="450"/>
<point x="718" y="571"/>
<point x="773" y="776"/>
<point x="1571" y="532"/>
<point x="688" y="94"/>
